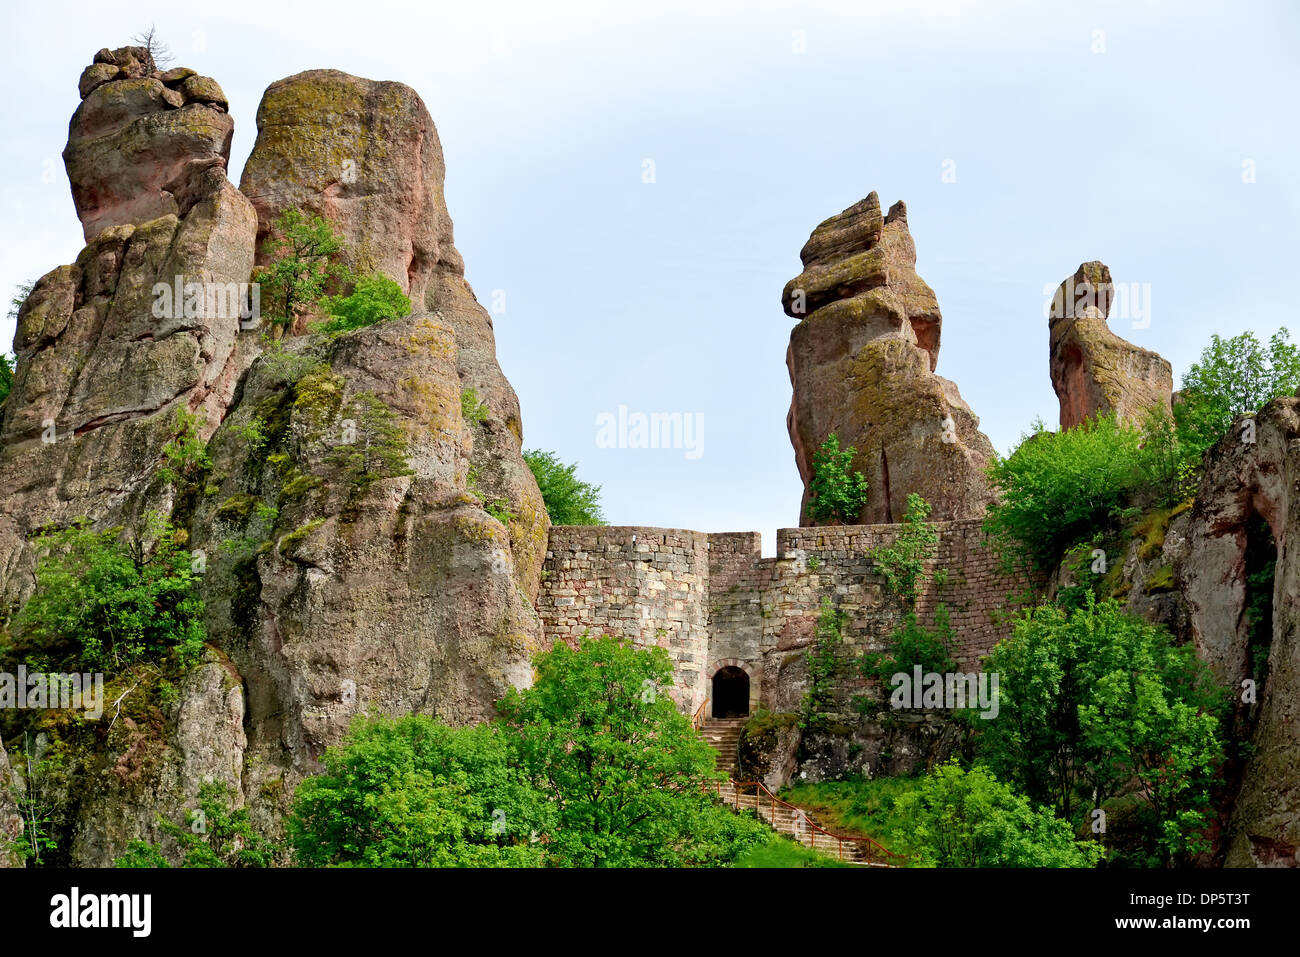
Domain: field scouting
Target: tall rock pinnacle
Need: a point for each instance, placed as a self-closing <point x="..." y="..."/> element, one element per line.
<point x="1094" y="371"/>
<point x="862" y="362"/>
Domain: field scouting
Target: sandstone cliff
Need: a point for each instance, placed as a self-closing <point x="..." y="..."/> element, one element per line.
<point x="351" y="566"/>
<point x="862" y="362"/>
<point x="1094" y="371"/>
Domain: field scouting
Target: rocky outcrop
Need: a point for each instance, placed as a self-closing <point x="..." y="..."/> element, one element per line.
<point x="1248" y="484"/>
<point x="366" y="156"/>
<point x="144" y="143"/>
<point x="862" y="361"/>
<point x="1094" y="371"/>
<point x="351" y="566"/>
<point x="103" y="362"/>
<point x="11" y="818"/>
<point x="362" y="154"/>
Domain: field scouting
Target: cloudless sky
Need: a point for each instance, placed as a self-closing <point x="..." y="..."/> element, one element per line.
<point x="1114" y="131"/>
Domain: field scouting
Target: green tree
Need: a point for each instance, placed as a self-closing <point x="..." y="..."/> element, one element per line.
<point x="1059" y="488"/>
<point x="302" y="252"/>
<point x="835" y="492"/>
<point x="902" y="562"/>
<point x="102" y="601"/>
<point x="214" y="835"/>
<point x="910" y="645"/>
<point x="413" y="792"/>
<point x="21" y="294"/>
<point x="1236" y="376"/>
<point x="569" y="500"/>
<point x="629" y="777"/>
<point x="7" y="367"/>
<point x="962" y="818"/>
<point x="374" y="298"/>
<point x="1095" y="699"/>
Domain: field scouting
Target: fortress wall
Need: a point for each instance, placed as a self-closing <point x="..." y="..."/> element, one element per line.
<point x="711" y="598"/>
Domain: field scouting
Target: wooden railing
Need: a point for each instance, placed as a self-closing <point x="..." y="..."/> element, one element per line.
<point x="698" y="719"/>
<point x="873" y="852"/>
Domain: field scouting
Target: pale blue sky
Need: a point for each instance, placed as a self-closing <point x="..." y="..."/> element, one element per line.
<point x="665" y="297"/>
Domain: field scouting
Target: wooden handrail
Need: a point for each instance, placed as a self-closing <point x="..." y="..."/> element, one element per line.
<point x="698" y="719"/>
<point x="875" y="848"/>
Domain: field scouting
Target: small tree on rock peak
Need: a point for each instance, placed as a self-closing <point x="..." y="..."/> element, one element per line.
<point x="836" y="492"/>
<point x="159" y="52"/>
<point x="302" y="252"/>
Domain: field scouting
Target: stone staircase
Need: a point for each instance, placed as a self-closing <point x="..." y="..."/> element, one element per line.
<point x="723" y="734"/>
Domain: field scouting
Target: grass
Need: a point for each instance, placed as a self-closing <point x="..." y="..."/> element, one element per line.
<point x="857" y="807"/>
<point x="781" y="851"/>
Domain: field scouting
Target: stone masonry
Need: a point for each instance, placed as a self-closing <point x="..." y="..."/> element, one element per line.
<point x="712" y="600"/>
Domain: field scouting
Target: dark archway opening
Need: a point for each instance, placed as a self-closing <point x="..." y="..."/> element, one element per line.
<point x="730" y="693"/>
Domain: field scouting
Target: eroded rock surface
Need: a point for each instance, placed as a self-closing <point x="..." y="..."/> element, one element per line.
<point x="144" y="143"/>
<point x="1245" y="481"/>
<point x="1094" y="371"/>
<point x="862" y="361"/>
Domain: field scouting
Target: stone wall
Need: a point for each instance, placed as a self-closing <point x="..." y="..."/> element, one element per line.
<point x="712" y="600"/>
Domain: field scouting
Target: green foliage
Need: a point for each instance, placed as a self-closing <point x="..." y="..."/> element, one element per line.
<point x="214" y="835"/>
<point x="628" y="776"/>
<point x="963" y="818"/>
<point x="499" y="508"/>
<point x="913" y="644"/>
<point x="1095" y="702"/>
<point x="413" y="792"/>
<point x="103" y="603"/>
<point x="7" y="368"/>
<point x="35" y="806"/>
<point x="903" y="561"/>
<point x="1059" y="488"/>
<point x="378" y="447"/>
<point x="782" y="852"/>
<point x="374" y="298"/>
<point x="185" y="453"/>
<point x="471" y="409"/>
<point x="857" y="805"/>
<point x="1236" y="376"/>
<point x="253" y="432"/>
<point x="302" y="252"/>
<point x="824" y="665"/>
<point x="21" y="294"/>
<point x="569" y="500"/>
<point x="836" y="492"/>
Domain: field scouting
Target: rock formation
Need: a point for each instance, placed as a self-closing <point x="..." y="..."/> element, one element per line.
<point x="862" y="362"/>
<point x="144" y="143"/>
<point x="1251" y="479"/>
<point x="1094" y="371"/>
<point x="351" y="566"/>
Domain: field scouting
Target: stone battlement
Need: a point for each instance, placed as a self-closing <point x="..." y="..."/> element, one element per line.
<point x="711" y="599"/>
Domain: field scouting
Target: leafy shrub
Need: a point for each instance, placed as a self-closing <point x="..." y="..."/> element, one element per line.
<point x="471" y="409"/>
<point x="185" y="453"/>
<point x="413" y="792"/>
<point x="213" y="836"/>
<point x="910" y="645"/>
<point x="903" y="561"/>
<point x="569" y="500"/>
<point x="102" y="603"/>
<point x="6" y="376"/>
<point x="629" y="777"/>
<point x="1236" y="376"/>
<point x="302" y="252"/>
<point x="823" y="665"/>
<point x="1095" y="702"/>
<point x="962" y="818"/>
<point x="1058" y="488"/>
<point x="374" y="298"/>
<point x="836" y="493"/>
